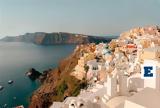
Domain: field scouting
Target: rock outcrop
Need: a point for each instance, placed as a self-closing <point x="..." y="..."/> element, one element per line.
<point x="33" y="74"/>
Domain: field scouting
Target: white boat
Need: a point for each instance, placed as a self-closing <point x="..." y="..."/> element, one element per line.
<point x="21" y="106"/>
<point x="1" y="87"/>
<point x="10" y="81"/>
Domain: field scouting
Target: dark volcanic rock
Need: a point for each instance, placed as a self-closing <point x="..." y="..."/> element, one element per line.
<point x="43" y="76"/>
<point x="33" y="74"/>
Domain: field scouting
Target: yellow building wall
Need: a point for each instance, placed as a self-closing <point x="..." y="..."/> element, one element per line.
<point x="148" y="55"/>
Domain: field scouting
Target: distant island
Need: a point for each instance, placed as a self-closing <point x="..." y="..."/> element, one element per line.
<point x="42" y="38"/>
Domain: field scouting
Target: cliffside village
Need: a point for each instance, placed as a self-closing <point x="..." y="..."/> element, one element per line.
<point x="113" y="71"/>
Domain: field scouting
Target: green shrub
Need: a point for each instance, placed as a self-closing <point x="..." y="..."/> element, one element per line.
<point x="62" y="88"/>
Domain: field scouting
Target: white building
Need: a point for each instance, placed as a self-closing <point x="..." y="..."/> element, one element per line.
<point x="93" y="69"/>
<point x="135" y="82"/>
<point x="57" y="105"/>
<point x="123" y="88"/>
<point x="153" y="82"/>
<point x="147" y="98"/>
<point x="111" y="85"/>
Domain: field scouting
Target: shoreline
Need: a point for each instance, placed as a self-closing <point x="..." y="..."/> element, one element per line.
<point x="48" y="90"/>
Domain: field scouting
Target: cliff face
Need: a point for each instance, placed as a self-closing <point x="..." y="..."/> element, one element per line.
<point x="59" y="83"/>
<point x="56" y="38"/>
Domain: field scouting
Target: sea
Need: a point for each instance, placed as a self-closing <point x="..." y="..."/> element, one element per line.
<point x="16" y="58"/>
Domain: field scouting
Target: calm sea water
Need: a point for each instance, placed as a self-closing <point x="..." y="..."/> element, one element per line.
<point x="15" y="59"/>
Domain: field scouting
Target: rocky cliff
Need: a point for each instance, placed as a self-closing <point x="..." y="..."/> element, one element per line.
<point x="56" y="38"/>
<point x="58" y="83"/>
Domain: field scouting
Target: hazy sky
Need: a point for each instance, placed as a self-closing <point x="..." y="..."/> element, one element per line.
<point x="97" y="17"/>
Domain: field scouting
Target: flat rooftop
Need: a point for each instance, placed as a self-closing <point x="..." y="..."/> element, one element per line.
<point x="148" y="98"/>
<point x="157" y="48"/>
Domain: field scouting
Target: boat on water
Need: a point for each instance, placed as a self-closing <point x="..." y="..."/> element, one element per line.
<point x="5" y="105"/>
<point x="1" y="87"/>
<point x="10" y="81"/>
<point x="21" y="106"/>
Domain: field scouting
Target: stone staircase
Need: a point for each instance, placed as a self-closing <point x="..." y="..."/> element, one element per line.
<point x="105" y="99"/>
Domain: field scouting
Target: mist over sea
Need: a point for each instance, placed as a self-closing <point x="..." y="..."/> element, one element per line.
<point x="16" y="58"/>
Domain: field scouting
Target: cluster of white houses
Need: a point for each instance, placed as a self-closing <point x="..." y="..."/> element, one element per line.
<point x="117" y="75"/>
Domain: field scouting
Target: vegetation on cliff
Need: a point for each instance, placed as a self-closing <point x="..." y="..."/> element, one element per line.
<point x="58" y="83"/>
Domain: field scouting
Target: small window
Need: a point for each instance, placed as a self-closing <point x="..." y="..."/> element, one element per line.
<point x="72" y="104"/>
<point x="81" y="105"/>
